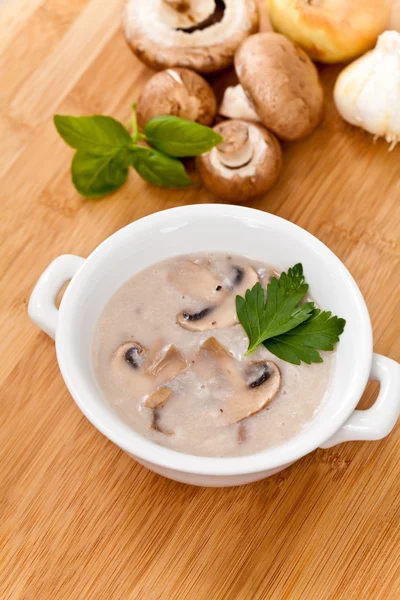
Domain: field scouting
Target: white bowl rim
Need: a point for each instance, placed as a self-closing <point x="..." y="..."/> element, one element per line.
<point x="152" y="453"/>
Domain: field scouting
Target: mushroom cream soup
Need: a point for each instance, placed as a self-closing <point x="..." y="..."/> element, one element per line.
<point x="168" y="354"/>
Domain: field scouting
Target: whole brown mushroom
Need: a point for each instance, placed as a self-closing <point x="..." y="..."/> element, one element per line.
<point x="179" y="92"/>
<point x="246" y="164"/>
<point x="280" y="84"/>
<point x="201" y="35"/>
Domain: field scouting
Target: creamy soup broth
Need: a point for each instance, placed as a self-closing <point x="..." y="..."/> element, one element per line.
<point x="188" y="389"/>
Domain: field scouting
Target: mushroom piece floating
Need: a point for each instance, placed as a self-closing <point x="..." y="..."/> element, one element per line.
<point x="132" y="353"/>
<point x="288" y="97"/>
<point x="213" y="361"/>
<point x="127" y="368"/>
<point x="158" y="397"/>
<point x="195" y="280"/>
<point x="148" y="372"/>
<point x="202" y="35"/>
<point x="179" y="92"/>
<point x="246" y="164"/>
<point x="166" y="363"/>
<point x="251" y="391"/>
<point x="222" y="313"/>
<point x="156" y="424"/>
<point x="263" y="380"/>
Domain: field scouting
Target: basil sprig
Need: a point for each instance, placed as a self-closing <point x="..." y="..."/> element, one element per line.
<point x="179" y="137"/>
<point x="105" y="150"/>
<point x="158" y="168"/>
<point x="97" y="134"/>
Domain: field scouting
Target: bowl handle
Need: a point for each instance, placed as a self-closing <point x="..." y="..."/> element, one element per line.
<point x="42" y="303"/>
<point x="376" y="422"/>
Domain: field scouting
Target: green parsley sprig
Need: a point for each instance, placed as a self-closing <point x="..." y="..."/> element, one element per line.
<point x="105" y="150"/>
<point x="289" y="328"/>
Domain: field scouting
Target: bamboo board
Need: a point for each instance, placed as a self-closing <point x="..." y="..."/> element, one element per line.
<point x="79" y="519"/>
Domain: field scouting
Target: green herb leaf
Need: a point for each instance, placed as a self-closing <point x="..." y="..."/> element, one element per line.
<point x="159" y="169"/>
<point x="135" y="131"/>
<point x="180" y="137"/>
<point x="97" y="135"/>
<point x="97" y="176"/>
<point x="281" y="311"/>
<point x="320" y="332"/>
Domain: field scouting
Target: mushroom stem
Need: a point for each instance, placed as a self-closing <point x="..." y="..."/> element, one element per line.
<point x="157" y="397"/>
<point x="236" y="150"/>
<point x="202" y="35"/>
<point x="236" y="105"/>
<point x="178" y="5"/>
<point x="167" y="364"/>
<point x="189" y="16"/>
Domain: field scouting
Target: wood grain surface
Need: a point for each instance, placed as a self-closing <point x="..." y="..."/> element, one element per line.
<point x="79" y="519"/>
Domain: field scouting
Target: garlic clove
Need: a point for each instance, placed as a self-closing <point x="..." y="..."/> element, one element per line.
<point x="367" y="92"/>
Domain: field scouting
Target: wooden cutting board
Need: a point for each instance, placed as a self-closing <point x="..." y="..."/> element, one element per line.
<point x="79" y="519"/>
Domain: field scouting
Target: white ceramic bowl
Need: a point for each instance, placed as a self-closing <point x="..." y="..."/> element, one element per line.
<point x="239" y="230"/>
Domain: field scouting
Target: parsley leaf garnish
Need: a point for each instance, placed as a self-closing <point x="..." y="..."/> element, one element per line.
<point x="280" y="312"/>
<point x="320" y="332"/>
<point x="292" y="331"/>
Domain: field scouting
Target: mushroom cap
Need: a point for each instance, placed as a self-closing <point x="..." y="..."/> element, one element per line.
<point x="251" y="398"/>
<point x="282" y="84"/>
<point x="253" y="385"/>
<point x="127" y="367"/>
<point x="194" y="279"/>
<point x="158" y="43"/>
<point x="179" y="92"/>
<point x="146" y="371"/>
<point x="253" y="179"/>
<point x="222" y="313"/>
<point x="132" y="353"/>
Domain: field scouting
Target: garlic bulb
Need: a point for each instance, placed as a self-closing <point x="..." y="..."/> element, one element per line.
<point x="367" y="92"/>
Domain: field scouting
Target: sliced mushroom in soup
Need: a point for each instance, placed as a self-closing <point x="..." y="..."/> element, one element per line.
<point x="169" y="358"/>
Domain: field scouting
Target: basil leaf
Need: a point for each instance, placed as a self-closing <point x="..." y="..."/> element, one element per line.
<point x="96" y="176"/>
<point x="96" y="135"/>
<point x="159" y="169"/>
<point x="180" y="137"/>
